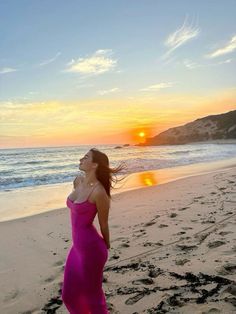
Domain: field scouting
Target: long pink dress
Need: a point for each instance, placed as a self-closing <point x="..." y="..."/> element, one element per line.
<point x="82" y="291"/>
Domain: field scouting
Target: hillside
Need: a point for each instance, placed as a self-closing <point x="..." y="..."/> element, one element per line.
<point x="213" y="127"/>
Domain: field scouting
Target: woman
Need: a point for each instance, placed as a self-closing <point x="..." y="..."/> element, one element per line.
<point x="82" y="291"/>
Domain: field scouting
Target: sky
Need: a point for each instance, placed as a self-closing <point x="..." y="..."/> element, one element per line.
<point x="104" y="72"/>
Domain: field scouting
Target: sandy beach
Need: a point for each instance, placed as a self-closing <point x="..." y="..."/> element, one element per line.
<point x="173" y="249"/>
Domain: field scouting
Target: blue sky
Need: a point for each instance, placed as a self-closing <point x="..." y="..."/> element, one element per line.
<point x="108" y="50"/>
<point x="41" y="37"/>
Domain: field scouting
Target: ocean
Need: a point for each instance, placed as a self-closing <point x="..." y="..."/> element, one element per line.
<point x="30" y="167"/>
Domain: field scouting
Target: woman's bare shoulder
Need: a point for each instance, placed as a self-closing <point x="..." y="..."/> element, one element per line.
<point x="100" y="191"/>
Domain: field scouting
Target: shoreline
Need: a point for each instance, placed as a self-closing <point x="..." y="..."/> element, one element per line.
<point x="217" y="141"/>
<point x="188" y="223"/>
<point x="43" y="199"/>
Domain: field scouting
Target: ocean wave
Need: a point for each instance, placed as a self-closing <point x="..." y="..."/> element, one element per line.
<point x="52" y="166"/>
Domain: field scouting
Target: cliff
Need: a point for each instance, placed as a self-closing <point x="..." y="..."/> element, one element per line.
<point x="213" y="127"/>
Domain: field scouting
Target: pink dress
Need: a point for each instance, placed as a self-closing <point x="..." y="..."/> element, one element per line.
<point x="82" y="291"/>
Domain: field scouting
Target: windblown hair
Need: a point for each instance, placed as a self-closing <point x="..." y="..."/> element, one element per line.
<point x="104" y="173"/>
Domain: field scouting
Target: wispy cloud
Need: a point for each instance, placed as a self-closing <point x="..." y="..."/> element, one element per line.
<point x="190" y="64"/>
<point x="49" y="60"/>
<point x="157" y="87"/>
<point x="108" y="91"/>
<point x="193" y="65"/>
<point x="181" y="36"/>
<point x="7" y="70"/>
<point x="227" y="48"/>
<point x="98" y="63"/>
<point x="33" y="93"/>
<point x="223" y="62"/>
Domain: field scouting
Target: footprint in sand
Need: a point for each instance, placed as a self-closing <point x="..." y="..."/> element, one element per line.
<point x="186" y="248"/>
<point x="223" y="188"/>
<point x="114" y="256"/>
<point x="120" y="238"/>
<point x="198" y="197"/>
<point x="145" y="281"/>
<point x="11" y="296"/>
<point x="139" y="233"/>
<point x="215" y="244"/>
<point x="154" y="272"/>
<point x="181" y="262"/>
<point x="148" y="243"/>
<point x="227" y="269"/>
<point x="201" y="237"/>
<point x="223" y="233"/>
<point x="58" y="263"/>
<point x="123" y="245"/>
<point x="208" y="221"/>
<point x="183" y="208"/>
<point x="150" y="223"/>
<point x="49" y="279"/>
<point x="180" y="232"/>
<point x="162" y="226"/>
<point x="136" y="298"/>
<point x="213" y="310"/>
<point x="231" y="289"/>
<point x="186" y="228"/>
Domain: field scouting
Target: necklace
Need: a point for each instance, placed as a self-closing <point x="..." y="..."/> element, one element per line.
<point x="91" y="183"/>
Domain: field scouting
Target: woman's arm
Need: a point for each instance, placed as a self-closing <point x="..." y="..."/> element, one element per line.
<point x="106" y="235"/>
<point x="103" y="204"/>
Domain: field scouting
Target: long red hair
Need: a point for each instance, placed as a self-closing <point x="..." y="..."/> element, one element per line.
<point x="104" y="173"/>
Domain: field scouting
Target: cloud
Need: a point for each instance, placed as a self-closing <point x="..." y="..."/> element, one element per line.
<point x="49" y="60"/>
<point x="108" y="91"/>
<point x="192" y="65"/>
<point x="228" y="47"/>
<point x="7" y="70"/>
<point x="157" y="86"/>
<point x="180" y="37"/>
<point x="225" y="61"/>
<point x="33" y="93"/>
<point x="98" y="63"/>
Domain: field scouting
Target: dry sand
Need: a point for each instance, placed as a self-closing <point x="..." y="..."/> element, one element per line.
<point x="173" y="250"/>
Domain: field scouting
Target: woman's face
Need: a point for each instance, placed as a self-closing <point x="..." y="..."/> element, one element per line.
<point x="86" y="162"/>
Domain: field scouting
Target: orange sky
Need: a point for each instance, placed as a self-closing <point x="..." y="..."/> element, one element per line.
<point x="56" y="123"/>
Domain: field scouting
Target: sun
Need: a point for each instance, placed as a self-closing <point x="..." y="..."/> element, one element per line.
<point x="141" y="134"/>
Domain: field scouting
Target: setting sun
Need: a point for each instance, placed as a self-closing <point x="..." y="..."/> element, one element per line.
<point x="141" y="134"/>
